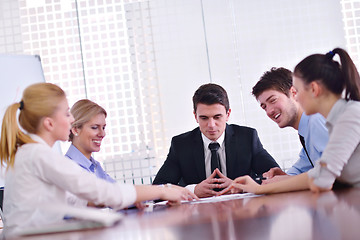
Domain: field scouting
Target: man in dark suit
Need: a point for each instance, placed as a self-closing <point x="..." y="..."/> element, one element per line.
<point x="239" y="150"/>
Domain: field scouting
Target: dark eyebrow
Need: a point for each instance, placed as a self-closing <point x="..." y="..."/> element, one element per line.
<point x="269" y="98"/>
<point x="98" y="125"/>
<point x="216" y="115"/>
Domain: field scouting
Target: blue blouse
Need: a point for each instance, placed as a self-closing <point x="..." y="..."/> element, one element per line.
<point x="89" y="165"/>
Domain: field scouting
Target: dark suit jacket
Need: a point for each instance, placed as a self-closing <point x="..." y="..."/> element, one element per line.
<point x="185" y="163"/>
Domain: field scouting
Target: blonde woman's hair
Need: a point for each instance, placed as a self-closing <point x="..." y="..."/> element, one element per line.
<point x="83" y="111"/>
<point x="39" y="100"/>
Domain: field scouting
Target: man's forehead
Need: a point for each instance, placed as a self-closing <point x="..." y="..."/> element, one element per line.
<point x="210" y="107"/>
<point x="211" y="111"/>
<point x="267" y="94"/>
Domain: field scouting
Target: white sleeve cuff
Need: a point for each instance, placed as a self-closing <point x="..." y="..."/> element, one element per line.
<point x="191" y="187"/>
<point x="128" y="195"/>
<point x="323" y="178"/>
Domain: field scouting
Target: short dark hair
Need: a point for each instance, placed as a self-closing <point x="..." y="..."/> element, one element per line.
<point x="211" y="93"/>
<point x="279" y="79"/>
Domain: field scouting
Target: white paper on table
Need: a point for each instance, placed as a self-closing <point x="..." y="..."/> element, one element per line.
<point x="216" y="198"/>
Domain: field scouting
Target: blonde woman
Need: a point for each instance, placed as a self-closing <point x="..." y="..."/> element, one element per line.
<point x="87" y="133"/>
<point x="38" y="176"/>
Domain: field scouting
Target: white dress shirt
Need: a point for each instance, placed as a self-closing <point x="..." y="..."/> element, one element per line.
<point x="340" y="159"/>
<point x="207" y="154"/>
<point x="221" y="152"/>
<point x="41" y="176"/>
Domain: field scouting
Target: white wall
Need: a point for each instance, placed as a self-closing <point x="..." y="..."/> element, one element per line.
<point x="17" y="72"/>
<point x="243" y="40"/>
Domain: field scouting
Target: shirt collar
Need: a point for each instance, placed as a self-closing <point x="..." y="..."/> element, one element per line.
<point x="38" y="139"/>
<point x="74" y="154"/>
<point x="335" y="111"/>
<point x="207" y="141"/>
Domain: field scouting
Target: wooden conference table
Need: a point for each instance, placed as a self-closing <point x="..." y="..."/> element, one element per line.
<point x="297" y="215"/>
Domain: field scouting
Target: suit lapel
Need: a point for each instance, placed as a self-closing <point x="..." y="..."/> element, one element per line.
<point x="198" y="155"/>
<point x="230" y="150"/>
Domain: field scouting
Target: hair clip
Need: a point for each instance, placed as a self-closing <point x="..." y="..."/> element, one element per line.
<point x="21" y="105"/>
<point x="330" y="55"/>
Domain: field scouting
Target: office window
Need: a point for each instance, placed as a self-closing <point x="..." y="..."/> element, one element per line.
<point x="99" y="50"/>
<point x="10" y="27"/>
<point x="351" y="19"/>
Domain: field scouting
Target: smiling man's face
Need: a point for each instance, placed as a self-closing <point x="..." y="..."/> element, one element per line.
<point x="279" y="107"/>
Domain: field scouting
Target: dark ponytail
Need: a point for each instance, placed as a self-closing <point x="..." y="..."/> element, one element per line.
<point x="335" y="77"/>
<point x="351" y="75"/>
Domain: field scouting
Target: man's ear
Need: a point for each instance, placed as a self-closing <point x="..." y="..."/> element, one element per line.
<point x="48" y="123"/>
<point x="292" y="92"/>
<point x="195" y="117"/>
<point x="228" y="114"/>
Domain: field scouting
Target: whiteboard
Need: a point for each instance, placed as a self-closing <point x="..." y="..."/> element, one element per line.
<point x="16" y="73"/>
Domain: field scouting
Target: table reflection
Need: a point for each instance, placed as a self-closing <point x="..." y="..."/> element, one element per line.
<point x="297" y="215"/>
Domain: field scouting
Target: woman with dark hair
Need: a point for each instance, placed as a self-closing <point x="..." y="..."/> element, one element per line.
<point x="332" y="89"/>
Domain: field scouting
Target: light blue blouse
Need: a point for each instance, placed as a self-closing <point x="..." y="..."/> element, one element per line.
<point x="90" y="165"/>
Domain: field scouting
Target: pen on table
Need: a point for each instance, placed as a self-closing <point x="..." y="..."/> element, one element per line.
<point x="260" y="178"/>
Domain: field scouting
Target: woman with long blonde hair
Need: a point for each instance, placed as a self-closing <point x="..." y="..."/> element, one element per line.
<point x="38" y="176"/>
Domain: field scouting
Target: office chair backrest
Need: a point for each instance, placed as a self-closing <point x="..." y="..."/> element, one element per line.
<point x="1" y="203"/>
<point x="1" y="197"/>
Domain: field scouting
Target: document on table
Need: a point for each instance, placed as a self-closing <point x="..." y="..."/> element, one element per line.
<point x="217" y="198"/>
